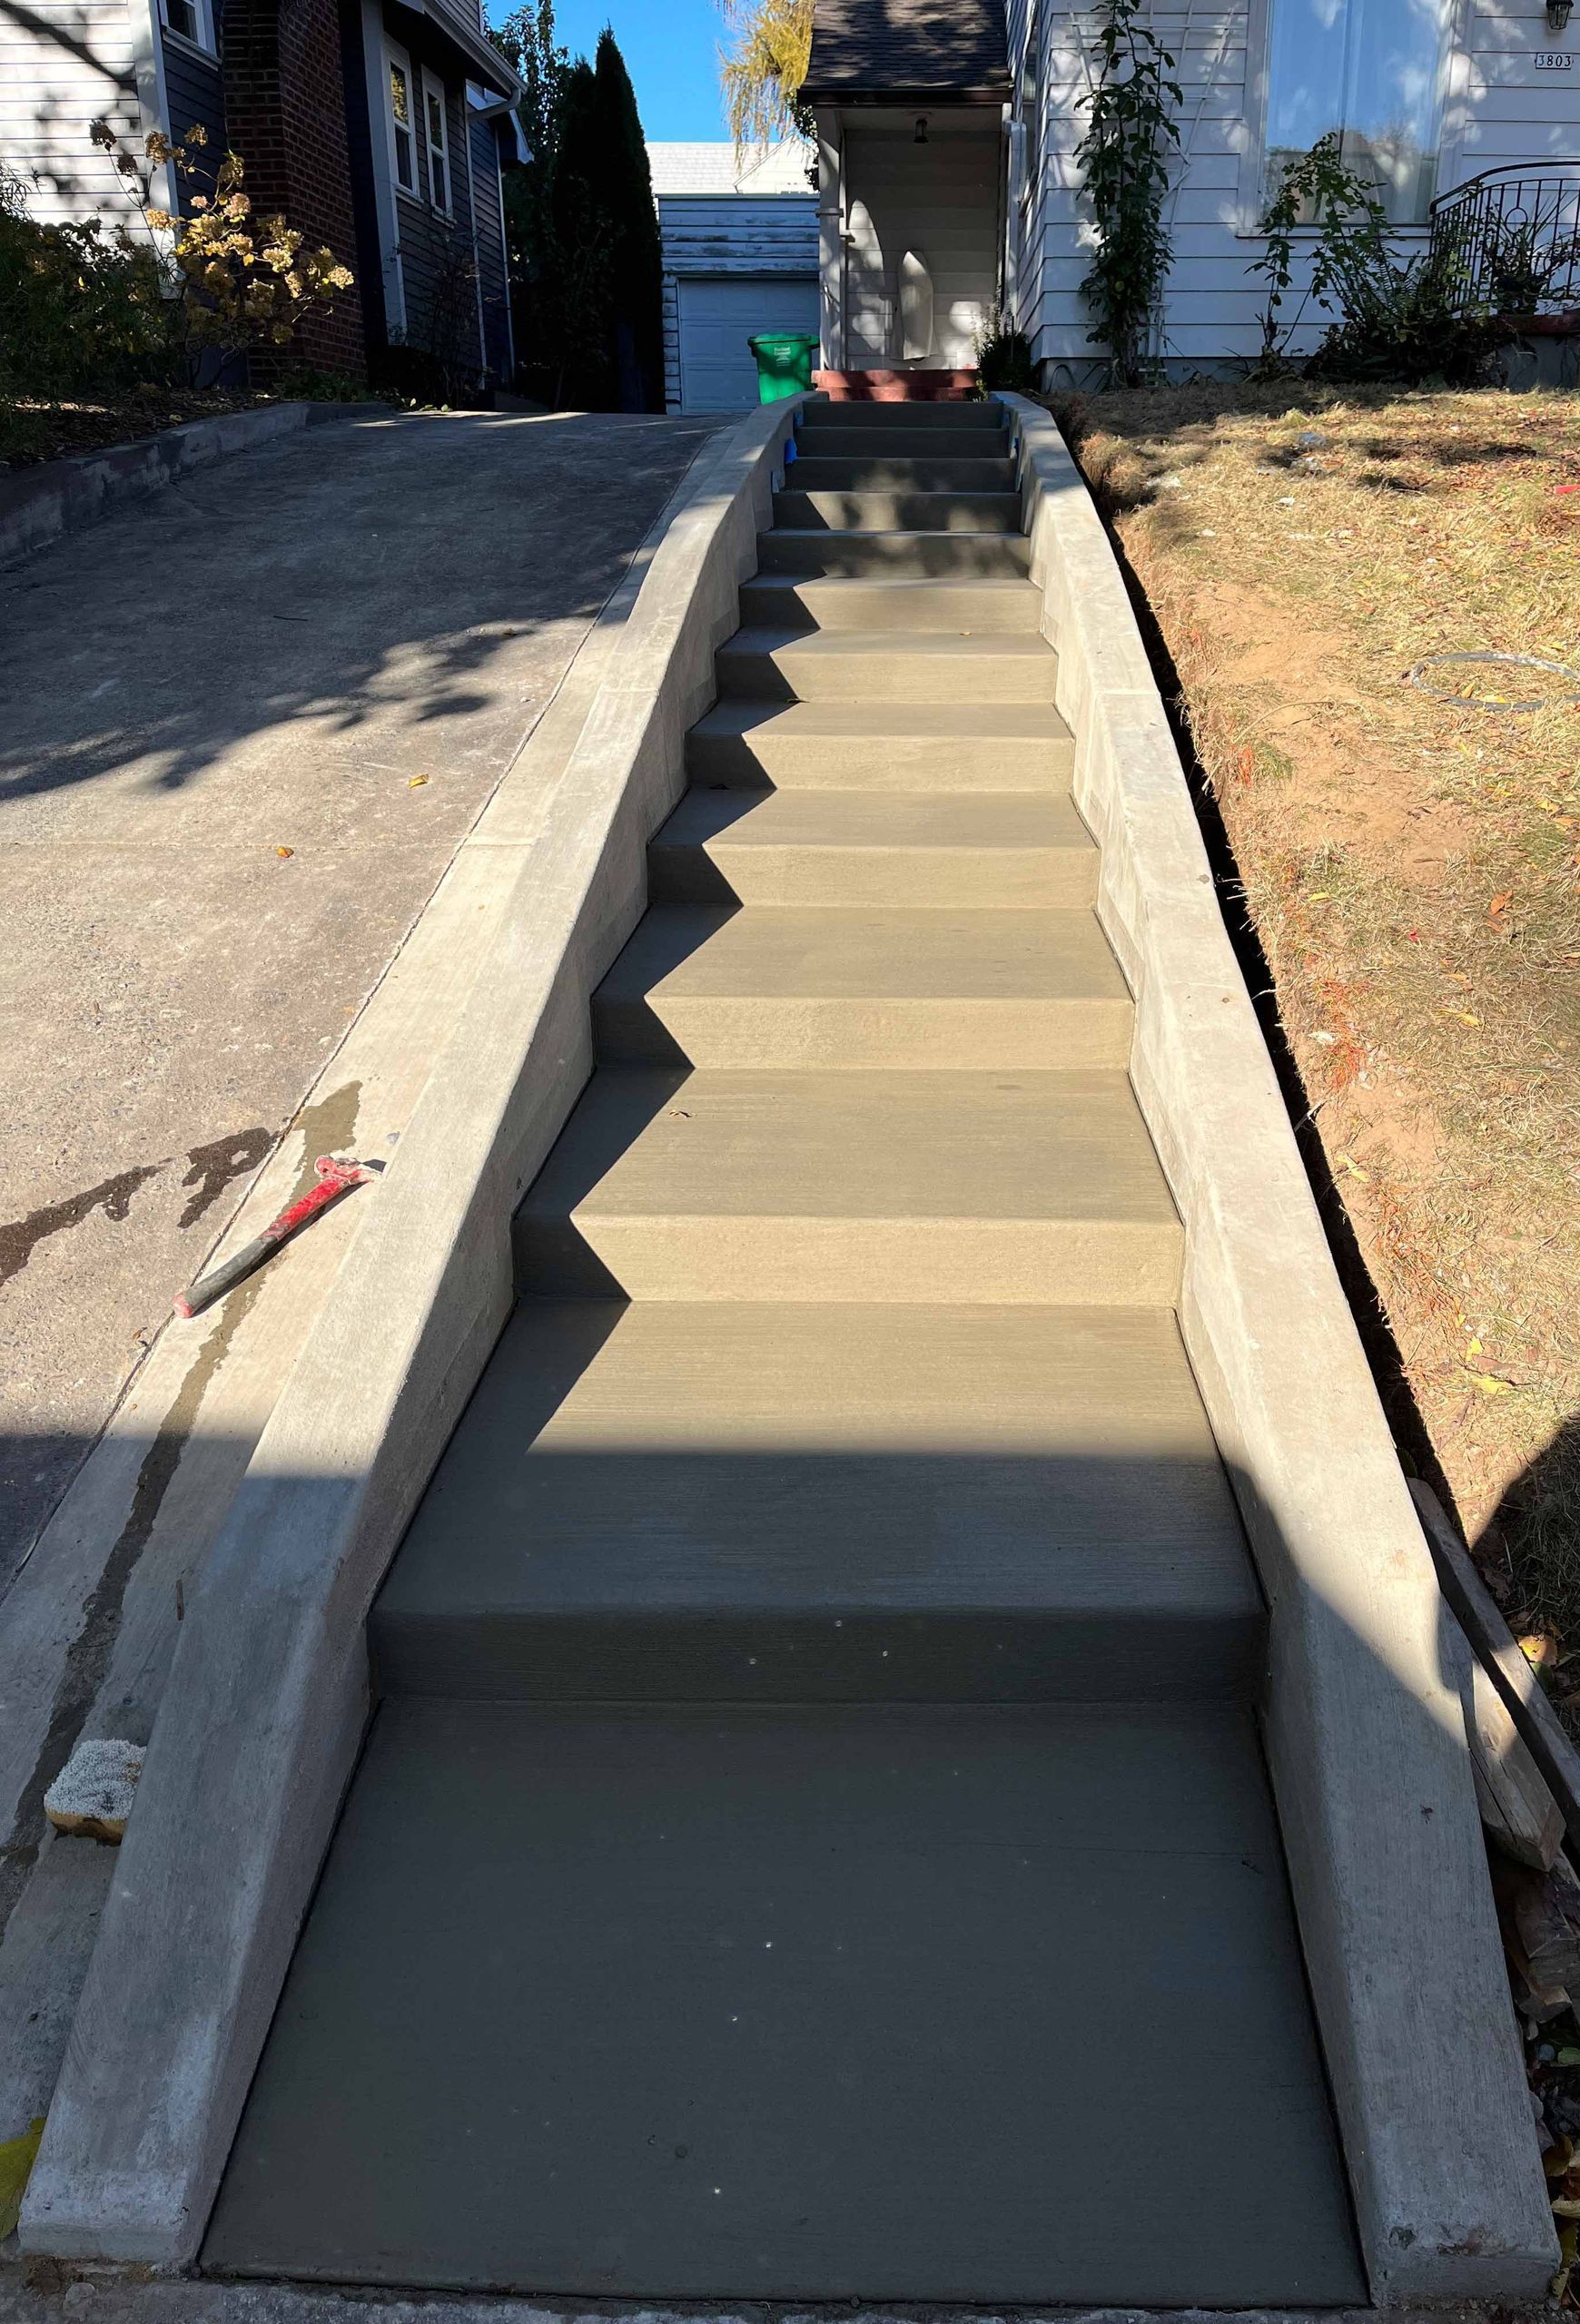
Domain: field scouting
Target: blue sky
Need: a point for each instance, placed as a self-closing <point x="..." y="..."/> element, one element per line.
<point x="671" y="53"/>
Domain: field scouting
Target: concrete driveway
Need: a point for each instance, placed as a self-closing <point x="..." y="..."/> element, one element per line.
<point x="243" y="727"/>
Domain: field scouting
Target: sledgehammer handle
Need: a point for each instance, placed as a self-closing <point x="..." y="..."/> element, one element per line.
<point x="335" y="1178"/>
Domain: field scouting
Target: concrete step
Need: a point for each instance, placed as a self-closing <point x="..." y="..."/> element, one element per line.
<point x="905" y="512"/>
<point x="788" y="986"/>
<point x="879" y="2006"/>
<point x="973" y="851"/>
<point x="1038" y="1189"/>
<point x="870" y="472"/>
<point x="953" y="556"/>
<point x="913" y="667"/>
<point x="788" y="601"/>
<point x="747" y="1502"/>
<point x="848" y="436"/>
<point x="882" y="746"/>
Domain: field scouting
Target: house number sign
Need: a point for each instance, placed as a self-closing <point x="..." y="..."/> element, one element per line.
<point x="1553" y="60"/>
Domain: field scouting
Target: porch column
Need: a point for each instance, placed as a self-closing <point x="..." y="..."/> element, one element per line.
<point x="830" y="241"/>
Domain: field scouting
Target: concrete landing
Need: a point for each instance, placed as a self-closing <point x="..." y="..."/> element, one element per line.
<point x="934" y="2003"/>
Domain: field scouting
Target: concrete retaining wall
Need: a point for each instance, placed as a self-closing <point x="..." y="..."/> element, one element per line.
<point x="1364" y="1721"/>
<point x="38" y="503"/>
<point x="267" y="1698"/>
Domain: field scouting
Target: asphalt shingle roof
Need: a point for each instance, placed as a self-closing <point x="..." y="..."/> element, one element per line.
<point x="907" y="48"/>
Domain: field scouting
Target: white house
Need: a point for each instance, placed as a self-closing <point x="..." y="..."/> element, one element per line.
<point x="740" y="256"/>
<point x="947" y="132"/>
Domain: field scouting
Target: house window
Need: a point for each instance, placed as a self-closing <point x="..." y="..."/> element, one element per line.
<point x="435" y="121"/>
<point x="402" y="123"/>
<point x="1371" y="70"/>
<point x="190" y="20"/>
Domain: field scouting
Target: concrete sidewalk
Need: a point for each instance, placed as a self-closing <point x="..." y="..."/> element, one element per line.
<point x="243" y="727"/>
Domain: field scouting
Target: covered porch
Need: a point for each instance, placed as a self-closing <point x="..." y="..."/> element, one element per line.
<point x="909" y="98"/>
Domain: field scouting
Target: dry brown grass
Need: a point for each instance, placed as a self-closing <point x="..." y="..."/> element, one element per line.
<point x="1412" y="866"/>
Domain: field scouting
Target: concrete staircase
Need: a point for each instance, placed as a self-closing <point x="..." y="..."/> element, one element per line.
<point x="812" y="1843"/>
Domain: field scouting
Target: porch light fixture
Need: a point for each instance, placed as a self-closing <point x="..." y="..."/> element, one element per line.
<point x="1558" y="14"/>
<point x="921" y="136"/>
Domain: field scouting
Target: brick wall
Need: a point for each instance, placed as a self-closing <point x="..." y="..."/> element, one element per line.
<point x="285" y="110"/>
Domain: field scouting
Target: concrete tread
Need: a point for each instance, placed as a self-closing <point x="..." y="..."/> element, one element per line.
<point x="821" y="1464"/>
<point x="723" y="820"/>
<point x="879" y="1146"/>
<point x="801" y="950"/>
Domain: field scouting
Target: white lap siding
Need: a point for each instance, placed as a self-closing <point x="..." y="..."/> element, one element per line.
<point x="939" y="200"/>
<point x="63" y="65"/>
<point x="1498" y="108"/>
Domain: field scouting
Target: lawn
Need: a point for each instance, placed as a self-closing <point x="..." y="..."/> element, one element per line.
<point x="1411" y="868"/>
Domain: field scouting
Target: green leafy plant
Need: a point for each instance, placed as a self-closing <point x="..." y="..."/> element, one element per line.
<point x="1409" y="320"/>
<point x="82" y="308"/>
<point x="1003" y="356"/>
<point x="1126" y="153"/>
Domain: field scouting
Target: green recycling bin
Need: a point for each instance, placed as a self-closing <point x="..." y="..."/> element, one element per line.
<point x="784" y="363"/>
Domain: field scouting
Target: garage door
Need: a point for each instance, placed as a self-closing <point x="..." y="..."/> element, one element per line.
<point x="717" y="319"/>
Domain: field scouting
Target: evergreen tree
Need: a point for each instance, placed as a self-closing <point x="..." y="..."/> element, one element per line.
<point x="577" y="335"/>
<point x="527" y="40"/>
<point x="636" y="350"/>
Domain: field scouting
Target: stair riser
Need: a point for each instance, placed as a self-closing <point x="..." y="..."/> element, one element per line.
<point x="996" y="1656"/>
<point x="888" y="1262"/>
<point x="856" y="1036"/>
<point x="806" y="675"/>
<point x="871" y="473"/>
<point x="920" y="879"/>
<point x="991" y="608"/>
<point x="826" y="556"/>
<point x="890" y="414"/>
<point x="898" y="762"/>
<point x="904" y="512"/>
<point x="851" y="441"/>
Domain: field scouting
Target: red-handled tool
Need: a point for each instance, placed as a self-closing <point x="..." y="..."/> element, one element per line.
<point x="335" y="1177"/>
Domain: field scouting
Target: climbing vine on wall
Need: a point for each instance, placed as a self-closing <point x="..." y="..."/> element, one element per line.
<point x="1131" y="136"/>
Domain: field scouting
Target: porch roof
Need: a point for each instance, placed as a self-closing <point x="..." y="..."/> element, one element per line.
<point x="907" y="51"/>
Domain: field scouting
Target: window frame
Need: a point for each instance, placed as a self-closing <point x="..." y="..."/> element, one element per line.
<point x="396" y="57"/>
<point x="1254" y="170"/>
<point x="434" y="88"/>
<point x="202" y="40"/>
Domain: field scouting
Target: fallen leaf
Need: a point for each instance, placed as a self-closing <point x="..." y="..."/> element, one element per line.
<point x="1489" y="1383"/>
<point x="285" y="851"/>
<point x="1539" y="1651"/>
<point x="415" y="782"/>
<point x="1354" y="1167"/>
<point x="17" y="2158"/>
<point x="1500" y="904"/>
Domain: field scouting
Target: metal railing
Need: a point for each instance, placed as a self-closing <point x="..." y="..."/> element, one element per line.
<point x="1510" y="239"/>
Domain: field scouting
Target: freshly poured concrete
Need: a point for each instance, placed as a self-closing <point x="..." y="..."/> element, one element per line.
<point x="918" y="1186"/>
<point x="881" y="747"/>
<point x="761" y="1502"/>
<point x="813" y="1844"/>
<point x="876" y="849"/>
<point x="852" y="992"/>
<point x="919" y="2004"/>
